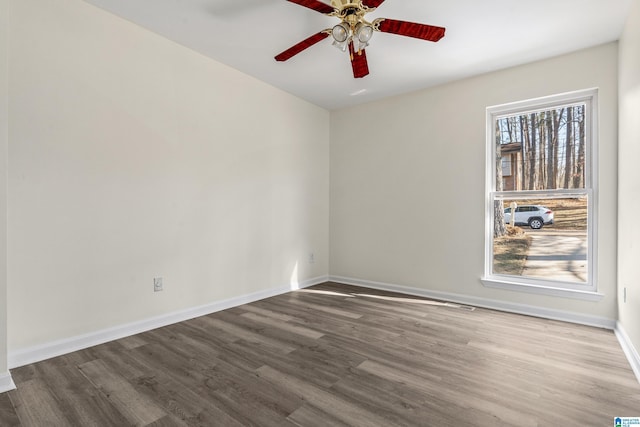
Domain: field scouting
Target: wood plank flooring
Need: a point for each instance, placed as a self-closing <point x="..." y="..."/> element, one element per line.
<point x="336" y="355"/>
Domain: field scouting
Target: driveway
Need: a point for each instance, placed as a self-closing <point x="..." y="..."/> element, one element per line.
<point x="557" y="255"/>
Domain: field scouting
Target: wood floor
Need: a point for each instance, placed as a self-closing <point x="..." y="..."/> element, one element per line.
<point x="335" y="355"/>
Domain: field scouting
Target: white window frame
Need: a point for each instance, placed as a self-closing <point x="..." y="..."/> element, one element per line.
<point x="588" y="290"/>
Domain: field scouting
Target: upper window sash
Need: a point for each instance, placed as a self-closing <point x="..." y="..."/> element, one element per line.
<point x="587" y="97"/>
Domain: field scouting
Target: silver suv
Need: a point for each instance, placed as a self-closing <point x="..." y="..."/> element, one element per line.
<point x="535" y="216"/>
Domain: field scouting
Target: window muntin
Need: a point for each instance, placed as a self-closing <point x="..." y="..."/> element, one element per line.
<point x="549" y="144"/>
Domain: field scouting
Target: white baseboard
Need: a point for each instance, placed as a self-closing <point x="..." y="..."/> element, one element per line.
<point x="629" y="350"/>
<point x="6" y="382"/>
<point x="45" y="351"/>
<point x="529" y="310"/>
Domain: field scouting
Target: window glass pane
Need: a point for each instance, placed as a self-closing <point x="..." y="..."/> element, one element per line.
<point x="544" y="150"/>
<point x="506" y="165"/>
<point x="545" y="239"/>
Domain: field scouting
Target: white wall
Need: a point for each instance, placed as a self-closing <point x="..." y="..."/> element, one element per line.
<point x="629" y="178"/>
<point x="408" y="188"/>
<point x="132" y="157"/>
<point x="4" y="140"/>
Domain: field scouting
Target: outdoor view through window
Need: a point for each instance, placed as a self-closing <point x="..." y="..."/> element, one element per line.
<point x="541" y="193"/>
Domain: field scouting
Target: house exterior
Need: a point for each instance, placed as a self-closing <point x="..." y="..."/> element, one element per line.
<point x="511" y="166"/>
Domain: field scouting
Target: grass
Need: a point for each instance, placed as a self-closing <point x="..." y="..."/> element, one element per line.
<point x="510" y="252"/>
<point x="568" y="214"/>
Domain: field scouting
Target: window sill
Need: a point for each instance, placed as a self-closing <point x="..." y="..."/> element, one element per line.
<point x="542" y="289"/>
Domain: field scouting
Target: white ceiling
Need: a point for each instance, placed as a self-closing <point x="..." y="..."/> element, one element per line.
<point x="482" y="36"/>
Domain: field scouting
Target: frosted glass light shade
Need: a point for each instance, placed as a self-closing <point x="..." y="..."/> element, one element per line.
<point x="363" y="32"/>
<point x="340" y="32"/>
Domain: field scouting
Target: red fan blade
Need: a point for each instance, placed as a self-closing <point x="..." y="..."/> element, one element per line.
<point x="315" y="5"/>
<point x="358" y="62"/>
<point x="411" y="29"/>
<point x="372" y="3"/>
<point x="304" y="44"/>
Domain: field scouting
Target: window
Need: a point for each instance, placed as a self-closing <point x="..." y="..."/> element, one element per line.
<point x="541" y="200"/>
<point x="506" y="165"/>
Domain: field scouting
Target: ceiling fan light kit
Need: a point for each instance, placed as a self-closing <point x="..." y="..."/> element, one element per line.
<point x="340" y="32"/>
<point x="354" y="31"/>
<point x="363" y="32"/>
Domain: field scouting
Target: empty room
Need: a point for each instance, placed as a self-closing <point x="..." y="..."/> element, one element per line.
<point x="319" y="213"/>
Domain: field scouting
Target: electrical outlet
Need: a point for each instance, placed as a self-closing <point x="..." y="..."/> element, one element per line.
<point x="312" y="258"/>
<point x="624" y="296"/>
<point x="157" y="284"/>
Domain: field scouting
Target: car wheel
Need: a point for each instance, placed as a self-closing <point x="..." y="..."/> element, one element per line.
<point x="536" y="223"/>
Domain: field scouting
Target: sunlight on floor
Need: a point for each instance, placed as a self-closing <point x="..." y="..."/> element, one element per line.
<point x="410" y="300"/>
<point x="389" y="298"/>
<point x="315" y="291"/>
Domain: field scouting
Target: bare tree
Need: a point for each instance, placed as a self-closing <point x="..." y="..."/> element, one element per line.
<point x="524" y="138"/>
<point x="542" y="152"/>
<point x="569" y="149"/>
<point x="578" y="178"/>
<point x="499" y="227"/>
<point x="551" y="122"/>
<point x="557" y="143"/>
<point x="531" y="129"/>
<point x="552" y="147"/>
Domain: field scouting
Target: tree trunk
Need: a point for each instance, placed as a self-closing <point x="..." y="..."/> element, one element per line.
<point x="499" y="228"/>
<point x="542" y="152"/>
<point x="551" y="136"/>
<point x="569" y="148"/>
<point x="524" y="138"/>
<point x="531" y="129"/>
<point x="579" y="179"/>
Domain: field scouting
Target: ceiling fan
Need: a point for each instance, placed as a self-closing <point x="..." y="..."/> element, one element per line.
<point x="354" y="32"/>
